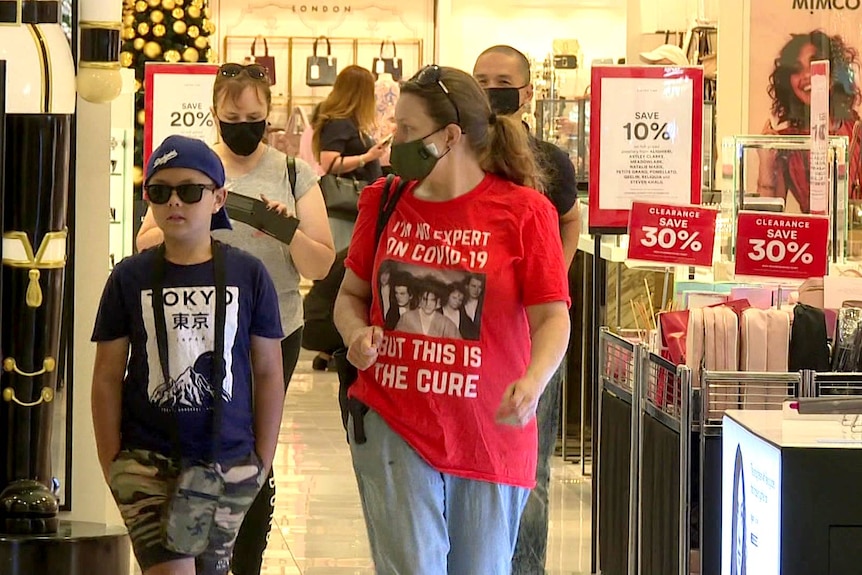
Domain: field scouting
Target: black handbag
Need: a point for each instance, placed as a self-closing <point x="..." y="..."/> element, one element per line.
<point x="266" y="60"/>
<point x="341" y="193"/>
<point x="384" y="65"/>
<point x="321" y="70"/>
<point x="347" y="372"/>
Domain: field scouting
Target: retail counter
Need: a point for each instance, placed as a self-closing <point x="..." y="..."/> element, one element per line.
<point x="791" y="495"/>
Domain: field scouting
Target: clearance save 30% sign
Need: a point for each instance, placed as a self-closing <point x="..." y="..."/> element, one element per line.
<point x="669" y="234"/>
<point x="781" y="246"/>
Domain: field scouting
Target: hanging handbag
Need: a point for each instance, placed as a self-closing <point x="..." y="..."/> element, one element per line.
<point x="384" y="65"/>
<point x="347" y="372"/>
<point x="190" y="512"/>
<point x="341" y="193"/>
<point x="321" y="70"/>
<point x="266" y="60"/>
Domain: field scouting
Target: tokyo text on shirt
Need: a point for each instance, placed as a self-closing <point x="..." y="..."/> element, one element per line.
<point x="482" y="257"/>
<point x="149" y="403"/>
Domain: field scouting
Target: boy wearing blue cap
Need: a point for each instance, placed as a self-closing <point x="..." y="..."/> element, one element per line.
<point x="184" y="438"/>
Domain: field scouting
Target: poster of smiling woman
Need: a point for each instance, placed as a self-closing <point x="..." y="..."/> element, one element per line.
<point x="786" y="36"/>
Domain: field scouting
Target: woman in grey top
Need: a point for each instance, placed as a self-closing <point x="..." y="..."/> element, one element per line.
<point x="241" y="104"/>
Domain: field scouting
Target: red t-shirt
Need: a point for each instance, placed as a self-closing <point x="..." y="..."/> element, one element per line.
<point x="447" y="359"/>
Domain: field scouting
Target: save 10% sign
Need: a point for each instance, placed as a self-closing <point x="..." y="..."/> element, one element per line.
<point x="644" y="131"/>
<point x="677" y="235"/>
<point x="781" y="246"/>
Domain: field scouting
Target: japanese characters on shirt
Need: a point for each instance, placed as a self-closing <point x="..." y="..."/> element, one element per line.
<point x="432" y="288"/>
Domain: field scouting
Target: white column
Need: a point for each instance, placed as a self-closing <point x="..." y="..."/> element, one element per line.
<point x="91" y="499"/>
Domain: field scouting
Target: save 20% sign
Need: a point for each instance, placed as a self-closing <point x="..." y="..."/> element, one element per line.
<point x="781" y="246"/>
<point x="680" y="235"/>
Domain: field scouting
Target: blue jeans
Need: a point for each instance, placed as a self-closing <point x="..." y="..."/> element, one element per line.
<point x="532" y="547"/>
<point x="423" y="522"/>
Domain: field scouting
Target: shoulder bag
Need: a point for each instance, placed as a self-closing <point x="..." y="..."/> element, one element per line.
<point x="190" y="512"/>
<point x="347" y="372"/>
<point x="341" y="193"/>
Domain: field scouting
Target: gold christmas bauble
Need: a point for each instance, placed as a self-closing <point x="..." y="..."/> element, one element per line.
<point x="129" y="20"/>
<point x="207" y="12"/>
<point x="129" y="34"/>
<point x="142" y="117"/>
<point x="140" y="6"/>
<point x="201" y="43"/>
<point x="138" y="85"/>
<point x="152" y="50"/>
<point x="210" y="28"/>
<point x="178" y="13"/>
<point x="138" y="175"/>
<point x="139" y="44"/>
<point x="172" y="56"/>
<point x="143" y="28"/>
<point x="157" y="16"/>
<point x="169" y="4"/>
<point x="194" y="12"/>
<point x="180" y="27"/>
<point x="191" y="55"/>
<point x="194" y="32"/>
<point x="180" y="2"/>
<point x="153" y="3"/>
<point x="126" y="59"/>
<point x="198" y="3"/>
<point x="159" y="30"/>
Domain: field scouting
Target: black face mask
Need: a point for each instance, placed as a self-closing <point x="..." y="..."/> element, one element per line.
<point x="504" y="101"/>
<point x="242" y="137"/>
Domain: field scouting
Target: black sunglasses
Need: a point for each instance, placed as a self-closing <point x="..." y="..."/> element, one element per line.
<point x="255" y="71"/>
<point x="429" y="76"/>
<point x="187" y="193"/>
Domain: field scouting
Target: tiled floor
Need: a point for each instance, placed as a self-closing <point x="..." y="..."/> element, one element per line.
<point x="318" y="528"/>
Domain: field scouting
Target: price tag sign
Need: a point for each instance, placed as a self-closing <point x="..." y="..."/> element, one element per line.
<point x="177" y="101"/>
<point x="645" y="140"/>
<point x="781" y="246"/>
<point x="818" y="173"/>
<point x="677" y="235"/>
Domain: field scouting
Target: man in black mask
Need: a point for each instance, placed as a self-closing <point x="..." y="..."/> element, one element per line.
<point x="504" y="72"/>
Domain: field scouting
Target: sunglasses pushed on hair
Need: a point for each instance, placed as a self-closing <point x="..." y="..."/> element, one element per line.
<point x="255" y="71"/>
<point x="431" y="75"/>
<point x="187" y="193"/>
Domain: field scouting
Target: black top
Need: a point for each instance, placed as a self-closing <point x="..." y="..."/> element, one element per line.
<point x="343" y="136"/>
<point x="560" y="182"/>
<point x="319" y="304"/>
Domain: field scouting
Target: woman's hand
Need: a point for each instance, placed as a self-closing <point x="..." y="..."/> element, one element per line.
<point x="364" y="347"/>
<point x="519" y="403"/>
<point x="376" y="151"/>
<point x="279" y="207"/>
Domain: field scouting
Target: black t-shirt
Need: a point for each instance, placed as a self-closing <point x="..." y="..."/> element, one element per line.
<point x="343" y="136"/>
<point x="560" y="182"/>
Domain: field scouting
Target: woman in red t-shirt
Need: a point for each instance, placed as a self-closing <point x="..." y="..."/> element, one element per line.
<point x="450" y="454"/>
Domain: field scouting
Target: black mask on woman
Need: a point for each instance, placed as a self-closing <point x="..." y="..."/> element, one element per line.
<point x="242" y="137"/>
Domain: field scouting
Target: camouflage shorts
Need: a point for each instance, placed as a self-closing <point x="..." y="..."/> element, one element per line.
<point x="142" y="482"/>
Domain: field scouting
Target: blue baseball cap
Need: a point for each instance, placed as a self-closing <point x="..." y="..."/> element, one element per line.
<point x="194" y="154"/>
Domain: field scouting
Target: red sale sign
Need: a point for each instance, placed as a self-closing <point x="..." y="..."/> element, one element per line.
<point x="781" y="246"/>
<point x="669" y="234"/>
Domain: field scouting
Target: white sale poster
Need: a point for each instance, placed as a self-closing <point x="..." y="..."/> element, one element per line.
<point x="178" y="101"/>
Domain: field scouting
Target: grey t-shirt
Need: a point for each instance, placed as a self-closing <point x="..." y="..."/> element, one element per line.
<point x="269" y="177"/>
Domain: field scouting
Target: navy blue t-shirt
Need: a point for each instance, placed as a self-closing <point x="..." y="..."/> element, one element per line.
<point x="151" y="407"/>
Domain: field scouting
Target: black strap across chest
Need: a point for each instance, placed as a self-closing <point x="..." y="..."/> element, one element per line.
<point x="218" y="363"/>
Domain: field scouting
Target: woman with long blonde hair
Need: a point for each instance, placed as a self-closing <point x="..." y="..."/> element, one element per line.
<point x="342" y="143"/>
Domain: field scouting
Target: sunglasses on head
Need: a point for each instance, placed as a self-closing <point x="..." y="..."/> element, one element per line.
<point x="255" y="71"/>
<point x="431" y="75"/>
<point x="187" y="193"/>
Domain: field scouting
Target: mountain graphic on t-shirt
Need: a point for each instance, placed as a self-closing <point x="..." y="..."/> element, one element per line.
<point x="190" y="389"/>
